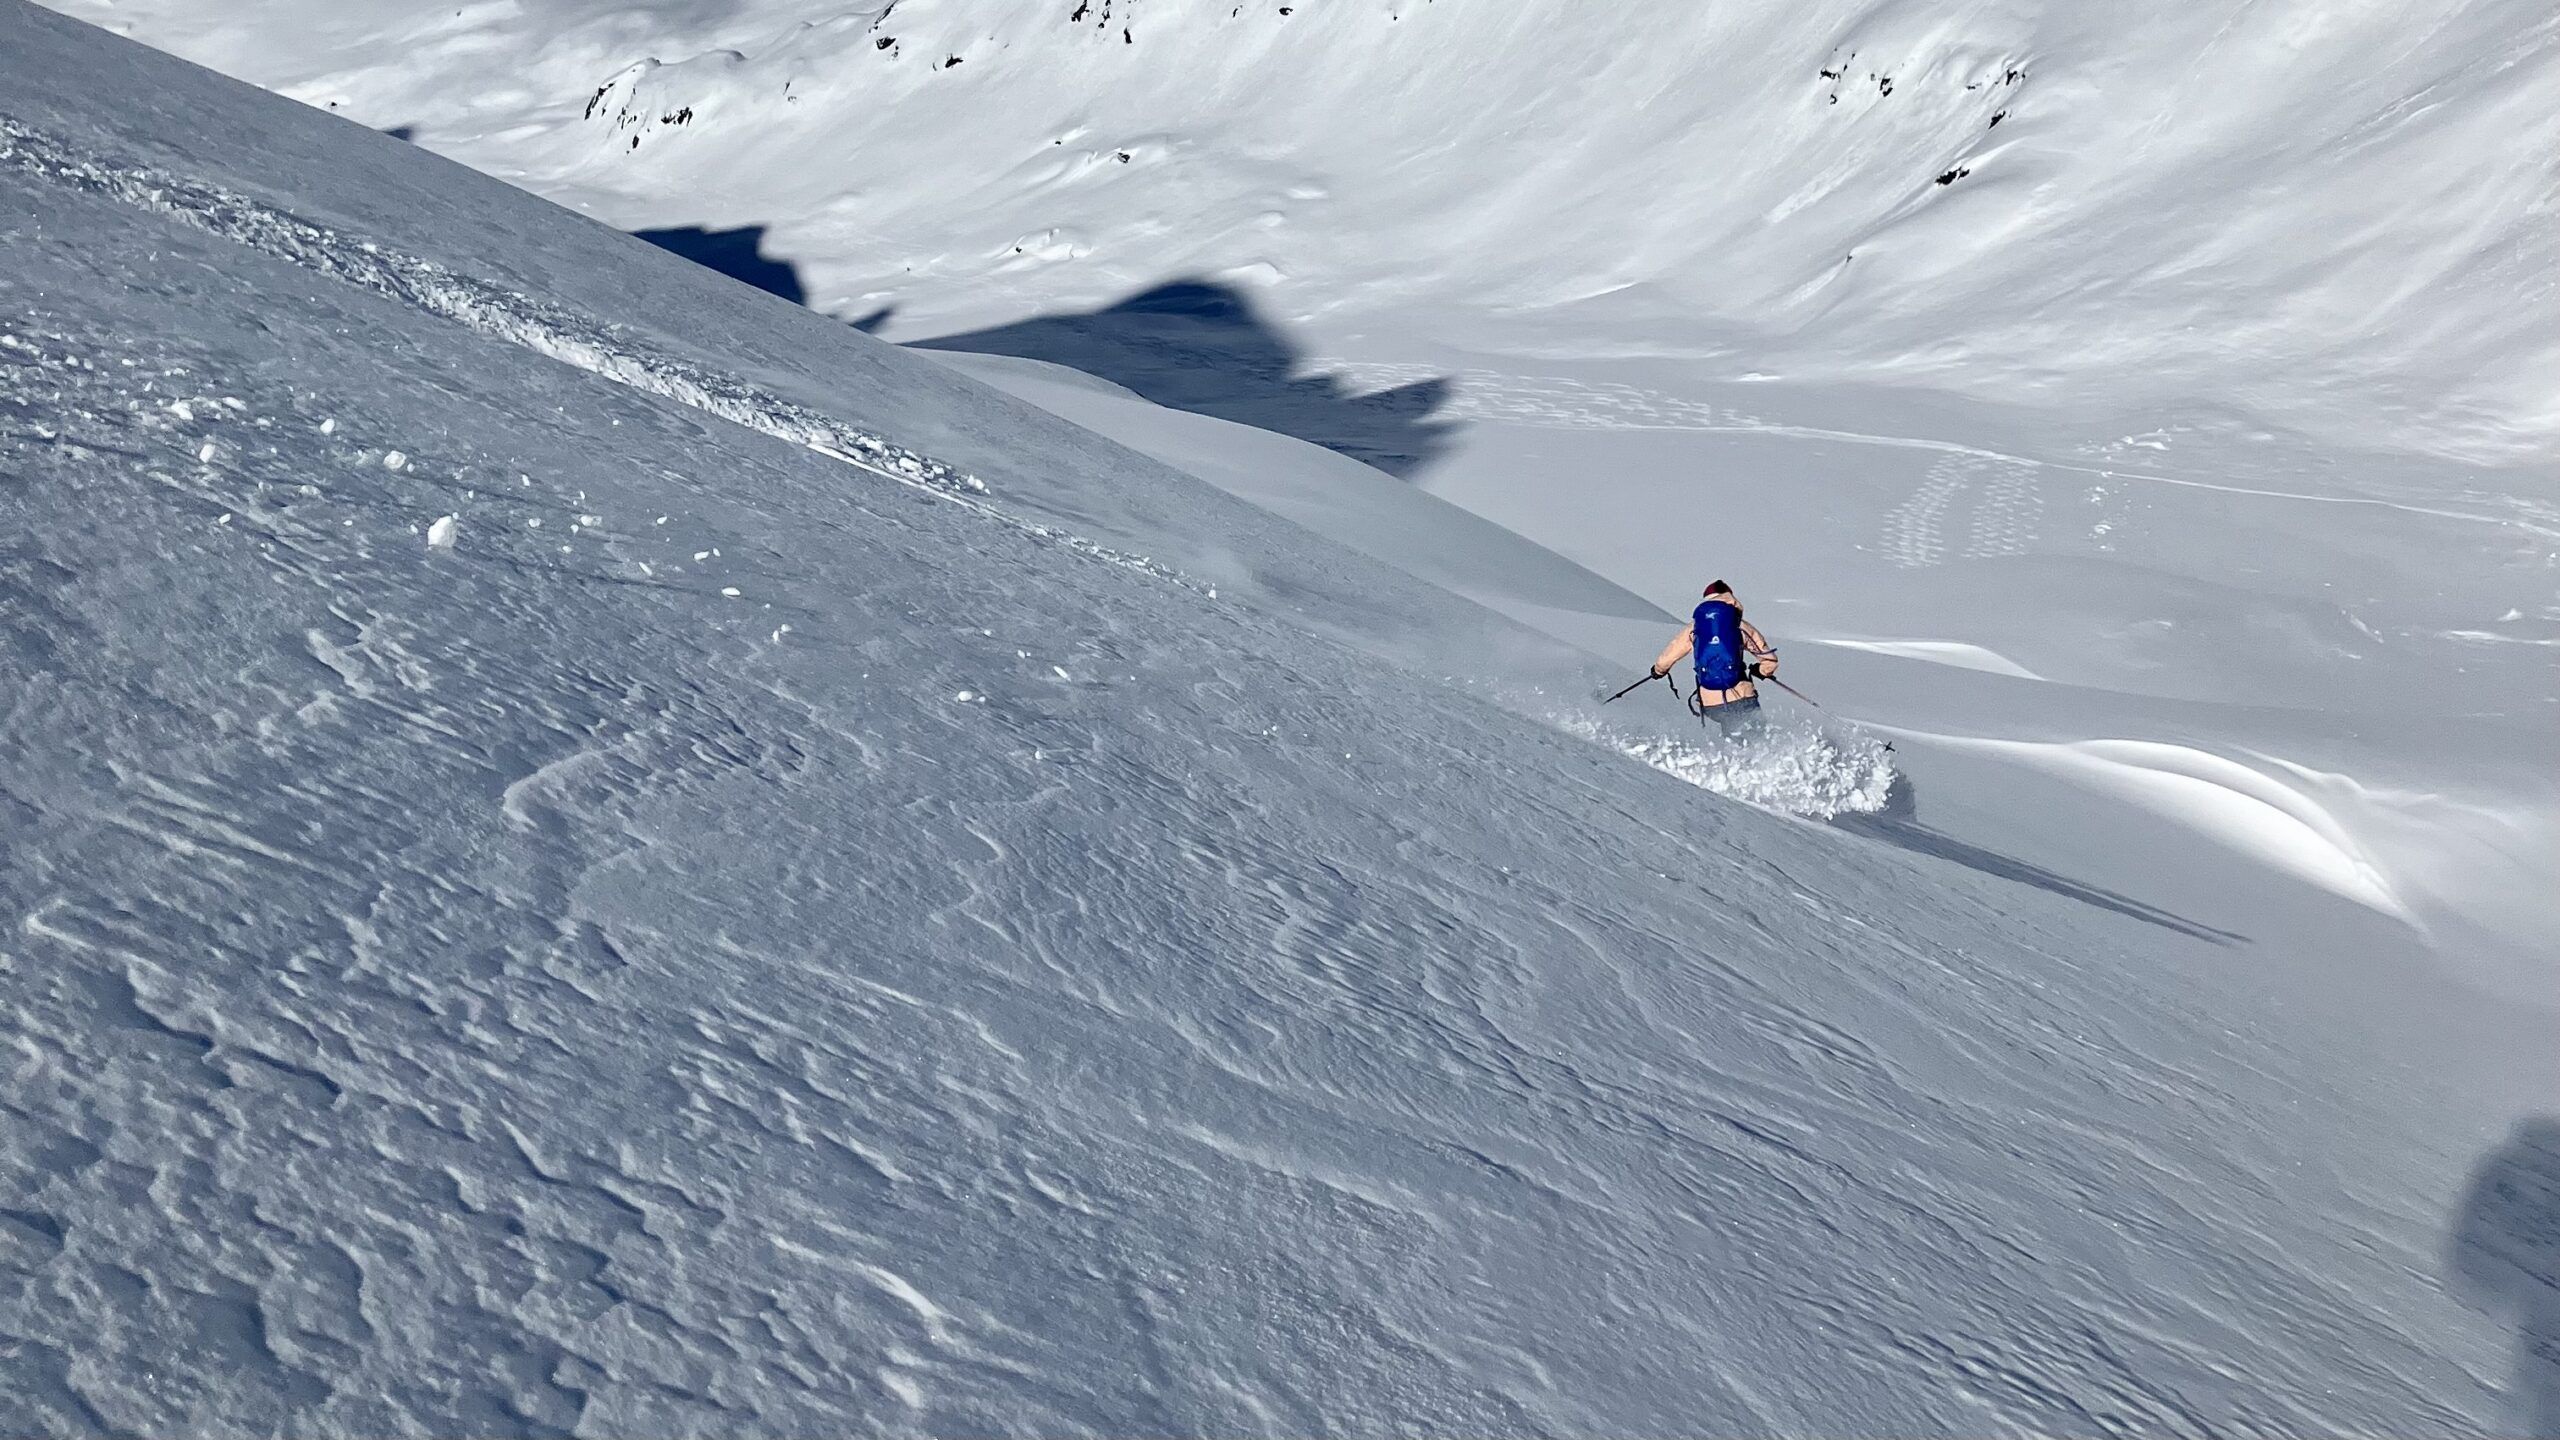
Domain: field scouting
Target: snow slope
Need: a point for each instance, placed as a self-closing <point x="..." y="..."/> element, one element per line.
<point x="971" y="978"/>
<point x="2214" y="387"/>
<point x="2197" y="656"/>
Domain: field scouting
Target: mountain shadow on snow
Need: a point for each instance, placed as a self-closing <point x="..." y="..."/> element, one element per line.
<point x="1201" y="346"/>
<point x="738" y="254"/>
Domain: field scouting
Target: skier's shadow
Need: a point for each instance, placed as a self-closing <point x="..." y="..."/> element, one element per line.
<point x="2505" y="1253"/>
<point x="1898" y="825"/>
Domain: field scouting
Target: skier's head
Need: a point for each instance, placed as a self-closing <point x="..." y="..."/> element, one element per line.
<point x="1718" y="590"/>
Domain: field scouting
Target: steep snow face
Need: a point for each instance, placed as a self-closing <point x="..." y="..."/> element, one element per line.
<point x="1653" y="289"/>
<point x="567" y="872"/>
<point x="2334" y="217"/>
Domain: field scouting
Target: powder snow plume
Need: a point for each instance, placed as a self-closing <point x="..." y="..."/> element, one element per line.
<point x="1797" y="768"/>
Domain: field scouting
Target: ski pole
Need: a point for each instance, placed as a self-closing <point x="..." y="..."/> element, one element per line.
<point x="1809" y="700"/>
<point x="1648" y="679"/>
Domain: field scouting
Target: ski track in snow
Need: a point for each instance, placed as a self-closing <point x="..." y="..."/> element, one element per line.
<point x="545" y="328"/>
<point x="2004" y="518"/>
<point x="1551" y="402"/>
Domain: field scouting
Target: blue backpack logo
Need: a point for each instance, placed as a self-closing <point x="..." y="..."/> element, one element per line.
<point x="1715" y="642"/>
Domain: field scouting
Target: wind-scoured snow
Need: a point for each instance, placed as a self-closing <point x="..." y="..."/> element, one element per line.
<point x="731" y="944"/>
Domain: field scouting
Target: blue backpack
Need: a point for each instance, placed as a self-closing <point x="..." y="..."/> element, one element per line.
<point x="1715" y="642"/>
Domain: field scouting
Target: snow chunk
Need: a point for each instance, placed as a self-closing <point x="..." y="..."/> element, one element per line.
<point x="1789" y="766"/>
<point x="440" y="534"/>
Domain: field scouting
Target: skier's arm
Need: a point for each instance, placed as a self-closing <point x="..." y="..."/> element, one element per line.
<point x="1671" y="653"/>
<point x="1764" y="656"/>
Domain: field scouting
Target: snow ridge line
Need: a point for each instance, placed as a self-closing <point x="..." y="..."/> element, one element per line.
<point x="546" y="328"/>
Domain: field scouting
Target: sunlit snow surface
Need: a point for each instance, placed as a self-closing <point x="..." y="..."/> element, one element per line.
<point x="2319" y="215"/>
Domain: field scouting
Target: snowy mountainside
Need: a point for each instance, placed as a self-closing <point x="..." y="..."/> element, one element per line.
<point x="488" y="977"/>
<point x="2211" y="390"/>
<point x="2295" y="214"/>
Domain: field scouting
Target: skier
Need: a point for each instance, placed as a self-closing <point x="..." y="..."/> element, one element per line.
<point x="1730" y="653"/>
